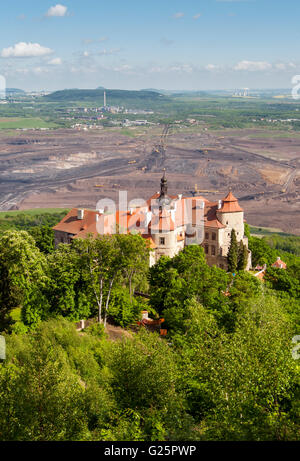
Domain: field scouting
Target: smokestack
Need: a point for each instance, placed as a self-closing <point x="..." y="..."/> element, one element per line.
<point x="80" y="213"/>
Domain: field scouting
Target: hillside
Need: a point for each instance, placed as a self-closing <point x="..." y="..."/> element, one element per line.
<point x="145" y="99"/>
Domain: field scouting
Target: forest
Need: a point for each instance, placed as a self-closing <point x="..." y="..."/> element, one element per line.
<point x="224" y="371"/>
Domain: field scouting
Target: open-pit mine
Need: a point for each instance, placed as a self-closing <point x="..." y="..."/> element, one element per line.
<point x="66" y="168"/>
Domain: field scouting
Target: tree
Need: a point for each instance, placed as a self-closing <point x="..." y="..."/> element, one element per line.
<point x="242" y="256"/>
<point x="232" y="257"/>
<point x="68" y="291"/>
<point x="22" y="272"/>
<point x="241" y="385"/>
<point x="175" y="281"/>
<point x="134" y="259"/>
<point x="100" y="257"/>
<point x="261" y="252"/>
<point x="44" y="238"/>
<point x="143" y="378"/>
<point x="51" y="386"/>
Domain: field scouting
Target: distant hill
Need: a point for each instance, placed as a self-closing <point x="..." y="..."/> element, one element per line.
<point x="14" y="91"/>
<point x="146" y="99"/>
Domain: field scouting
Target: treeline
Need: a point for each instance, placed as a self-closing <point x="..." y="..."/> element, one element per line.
<point x="28" y="220"/>
<point x="224" y="372"/>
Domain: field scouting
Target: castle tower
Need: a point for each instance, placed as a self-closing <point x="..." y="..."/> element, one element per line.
<point x="231" y="215"/>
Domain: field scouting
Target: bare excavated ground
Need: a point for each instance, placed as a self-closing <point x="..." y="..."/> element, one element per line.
<point x="62" y="169"/>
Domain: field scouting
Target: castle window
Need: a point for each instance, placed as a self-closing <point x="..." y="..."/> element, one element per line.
<point x="162" y="241"/>
<point x="206" y="235"/>
<point x="213" y="236"/>
<point x="213" y="250"/>
<point x="206" y="249"/>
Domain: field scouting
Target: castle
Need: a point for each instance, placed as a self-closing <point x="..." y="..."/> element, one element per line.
<point x="167" y="222"/>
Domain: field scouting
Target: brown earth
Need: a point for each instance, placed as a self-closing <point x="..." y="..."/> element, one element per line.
<point x="61" y="169"/>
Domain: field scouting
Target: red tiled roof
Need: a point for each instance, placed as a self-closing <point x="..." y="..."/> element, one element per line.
<point x="210" y="216"/>
<point x="279" y="264"/>
<point x="72" y="225"/>
<point x="230" y="204"/>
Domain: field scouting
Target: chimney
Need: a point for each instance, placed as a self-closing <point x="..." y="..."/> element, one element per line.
<point x="219" y="204"/>
<point x="97" y="217"/>
<point x="202" y="205"/>
<point x="80" y="213"/>
<point x="179" y="196"/>
<point x="131" y="210"/>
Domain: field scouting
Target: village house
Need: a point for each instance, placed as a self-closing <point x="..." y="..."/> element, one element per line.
<point x="167" y="222"/>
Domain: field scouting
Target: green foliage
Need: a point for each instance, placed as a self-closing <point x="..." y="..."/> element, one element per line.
<point x="143" y="379"/>
<point x="284" y="281"/>
<point x="247" y="230"/>
<point x="22" y="273"/>
<point x="187" y="275"/>
<point x="241" y="385"/>
<point x="225" y="372"/>
<point x="123" y="309"/>
<point x="26" y="220"/>
<point x="44" y="238"/>
<point x="233" y="253"/>
<point x="261" y="252"/>
<point x="242" y="256"/>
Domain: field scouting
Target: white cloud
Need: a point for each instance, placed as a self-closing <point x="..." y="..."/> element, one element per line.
<point x="57" y="10"/>
<point x="212" y="67"/>
<point x="25" y="50"/>
<point x="178" y="15"/>
<point x="253" y="66"/>
<point x="185" y="68"/>
<point x="55" y="62"/>
<point x="197" y="16"/>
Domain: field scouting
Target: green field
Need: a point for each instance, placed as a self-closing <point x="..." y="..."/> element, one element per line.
<point x="33" y="212"/>
<point x="7" y="123"/>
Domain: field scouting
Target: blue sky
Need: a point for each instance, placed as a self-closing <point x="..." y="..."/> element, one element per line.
<point x="131" y="44"/>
